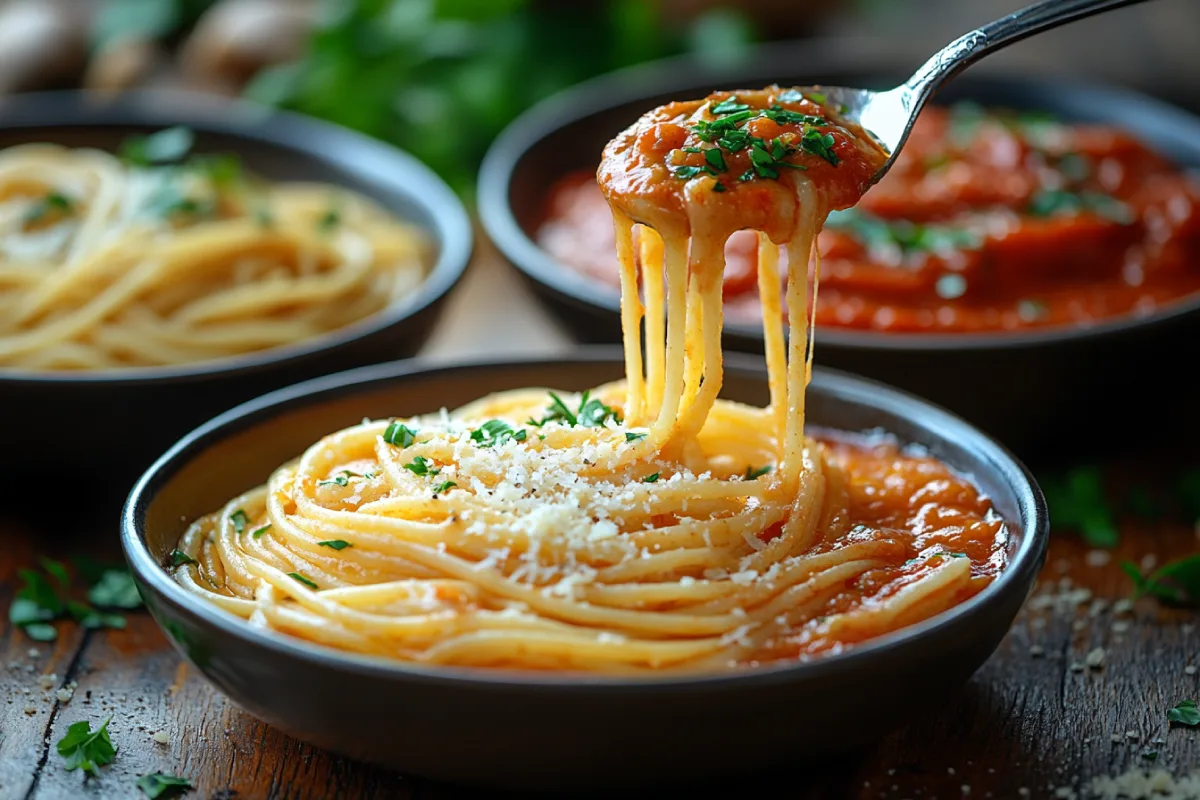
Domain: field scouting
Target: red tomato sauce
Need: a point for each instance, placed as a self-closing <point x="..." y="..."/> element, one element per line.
<point x="989" y="221"/>
<point x="925" y="513"/>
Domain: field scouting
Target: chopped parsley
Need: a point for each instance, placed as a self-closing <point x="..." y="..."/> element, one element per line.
<point x="239" y="520"/>
<point x="903" y="235"/>
<point x="496" y="431"/>
<point x="1184" y="712"/>
<point x="297" y="576"/>
<point x="329" y="220"/>
<point x="592" y="413"/>
<point x="336" y="544"/>
<point x="85" y="749"/>
<point x="164" y="147"/>
<point x="340" y="480"/>
<point x="1077" y="500"/>
<point x="420" y="465"/>
<point x="819" y="144"/>
<point x="443" y="487"/>
<point x="730" y="106"/>
<point x="1175" y="583"/>
<point x="158" y="786"/>
<point x="54" y="203"/>
<point x="1053" y="202"/>
<point x="715" y="159"/>
<point x="757" y="472"/>
<point x="258" y="532"/>
<point x="178" y="558"/>
<point x="651" y="478"/>
<point x="817" y="97"/>
<point x="631" y="436"/>
<point x="115" y="589"/>
<point x="399" y="435"/>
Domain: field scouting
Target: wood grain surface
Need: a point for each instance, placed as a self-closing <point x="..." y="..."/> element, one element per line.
<point x="1035" y="721"/>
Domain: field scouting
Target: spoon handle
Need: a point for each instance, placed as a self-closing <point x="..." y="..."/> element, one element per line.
<point x="969" y="48"/>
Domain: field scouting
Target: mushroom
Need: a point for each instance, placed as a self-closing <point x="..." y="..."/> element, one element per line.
<point x="237" y="38"/>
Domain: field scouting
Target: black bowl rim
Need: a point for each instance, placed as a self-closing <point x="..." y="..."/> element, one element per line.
<point x="1021" y="571"/>
<point x="401" y="174"/>
<point x="678" y="74"/>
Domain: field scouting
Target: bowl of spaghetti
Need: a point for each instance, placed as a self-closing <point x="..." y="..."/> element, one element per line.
<point x="1026" y="238"/>
<point x="167" y="256"/>
<point x="671" y="534"/>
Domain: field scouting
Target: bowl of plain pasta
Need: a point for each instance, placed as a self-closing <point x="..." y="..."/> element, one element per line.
<point x="625" y="559"/>
<point x="166" y="256"/>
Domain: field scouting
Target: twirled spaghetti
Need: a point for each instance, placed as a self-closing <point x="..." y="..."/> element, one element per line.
<point x="646" y="525"/>
<point x="107" y="263"/>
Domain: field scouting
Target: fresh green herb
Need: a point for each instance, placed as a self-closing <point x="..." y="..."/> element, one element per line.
<point x="399" y="435"/>
<point x="630" y="436"/>
<point x="167" y="202"/>
<point x="950" y="286"/>
<point x="115" y="589"/>
<point x="1175" y="583"/>
<point x="297" y="576"/>
<point x="1184" y="713"/>
<point x="1076" y="500"/>
<point x="164" y="147"/>
<point x="158" y="786"/>
<point x="35" y="606"/>
<point x="1142" y="504"/>
<point x="907" y="237"/>
<point x="443" y="487"/>
<point x="239" y="520"/>
<point x="1187" y="490"/>
<point x="748" y="175"/>
<point x="263" y="217"/>
<point x="687" y="171"/>
<point x="339" y="480"/>
<point x="1032" y="310"/>
<point x="718" y="187"/>
<point x="329" y="220"/>
<point x="223" y="170"/>
<point x="53" y="203"/>
<point x="92" y="619"/>
<point x="817" y="97"/>
<point x="86" y="749"/>
<point x="730" y="106"/>
<point x="819" y="144"/>
<point x="592" y="413"/>
<point x="56" y="570"/>
<point x="258" y="532"/>
<point x="715" y="159"/>
<point x="178" y="558"/>
<point x="782" y="116"/>
<point x="422" y="466"/>
<point x="757" y="472"/>
<point x="1149" y="754"/>
<point x="1075" y="167"/>
<point x="651" y="478"/>
<point x="336" y="544"/>
<point x="496" y="431"/>
<point x="1053" y="202"/>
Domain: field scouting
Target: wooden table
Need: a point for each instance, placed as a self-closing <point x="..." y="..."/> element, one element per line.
<point x="1031" y="721"/>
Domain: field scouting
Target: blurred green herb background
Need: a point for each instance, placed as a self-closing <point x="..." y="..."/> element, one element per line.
<point x="440" y="78"/>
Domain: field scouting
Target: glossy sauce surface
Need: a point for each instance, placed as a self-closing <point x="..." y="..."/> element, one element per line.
<point x="989" y="221"/>
<point x="925" y="512"/>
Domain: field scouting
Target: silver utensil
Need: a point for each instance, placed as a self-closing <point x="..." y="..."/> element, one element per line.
<point x="889" y="115"/>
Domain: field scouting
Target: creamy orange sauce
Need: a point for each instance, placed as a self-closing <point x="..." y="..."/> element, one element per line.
<point x="989" y="221"/>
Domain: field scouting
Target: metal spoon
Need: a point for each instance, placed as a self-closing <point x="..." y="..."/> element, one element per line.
<point x="889" y="116"/>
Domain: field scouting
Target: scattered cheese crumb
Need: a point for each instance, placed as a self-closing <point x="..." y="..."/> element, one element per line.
<point x="1190" y="669"/>
<point x="1037" y="651"/>
<point x="31" y="709"/>
<point x="47" y="681"/>
<point x="65" y="694"/>
<point x="161" y="737"/>
<point x="1133" y="735"/>
<point x="1097" y="558"/>
<point x="1123" y="606"/>
<point x="1095" y="659"/>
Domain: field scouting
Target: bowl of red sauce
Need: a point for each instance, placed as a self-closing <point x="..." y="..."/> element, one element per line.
<point x="1025" y="263"/>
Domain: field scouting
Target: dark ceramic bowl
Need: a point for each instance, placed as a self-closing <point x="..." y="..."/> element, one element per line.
<point x="131" y="415"/>
<point x="1042" y="393"/>
<point x="542" y="730"/>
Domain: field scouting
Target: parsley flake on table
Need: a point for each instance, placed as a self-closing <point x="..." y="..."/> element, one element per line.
<point x="1184" y="713"/>
<point x="86" y="749"/>
<point x="1175" y="583"/>
<point x="158" y="786"/>
<point x="115" y="589"/>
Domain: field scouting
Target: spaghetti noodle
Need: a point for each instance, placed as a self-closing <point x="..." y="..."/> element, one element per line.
<point x="110" y="263"/>
<point x="643" y="526"/>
